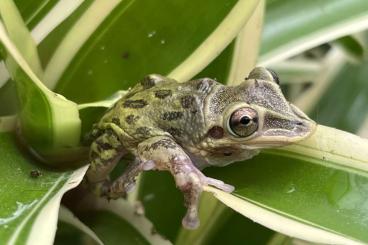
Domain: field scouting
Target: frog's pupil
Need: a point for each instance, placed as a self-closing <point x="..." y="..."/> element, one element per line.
<point x="245" y="120"/>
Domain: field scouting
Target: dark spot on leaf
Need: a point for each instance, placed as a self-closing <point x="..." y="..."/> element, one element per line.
<point x="135" y="103"/>
<point x="125" y="55"/>
<point x="216" y="132"/>
<point x="161" y="94"/>
<point x="172" y="115"/>
<point x="35" y="173"/>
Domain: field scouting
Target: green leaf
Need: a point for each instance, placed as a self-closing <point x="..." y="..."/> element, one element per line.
<point x="344" y="104"/>
<point x="167" y="220"/>
<point x="20" y="36"/>
<point x="29" y="205"/>
<point x="321" y="202"/>
<point x="118" y="222"/>
<point x="33" y="11"/>
<point x="49" y="123"/>
<point x="42" y="17"/>
<point x="83" y="60"/>
<point x="352" y="47"/>
<point x="293" y="26"/>
<point x="7" y="123"/>
<point x="330" y="66"/>
<point x="81" y="232"/>
<point x="237" y="229"/>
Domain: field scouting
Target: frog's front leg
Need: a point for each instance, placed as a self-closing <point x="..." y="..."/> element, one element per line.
<point x="122" y="185"/>
<point x="168" y="155"/>
<point x="106" y="150"/>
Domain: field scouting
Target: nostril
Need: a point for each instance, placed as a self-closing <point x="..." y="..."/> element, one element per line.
<point x="299" y="123"/>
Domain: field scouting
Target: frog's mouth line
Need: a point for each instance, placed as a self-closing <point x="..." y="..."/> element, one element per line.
<point x="282" y="137"/>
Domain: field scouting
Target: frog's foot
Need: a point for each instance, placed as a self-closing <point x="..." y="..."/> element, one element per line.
<point x="191" y="184"/>
<point x="219" y="184"/>
<point x="126" y="182"/>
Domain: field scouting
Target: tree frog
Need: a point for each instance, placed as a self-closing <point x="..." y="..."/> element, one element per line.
<point x="184" y="127"/>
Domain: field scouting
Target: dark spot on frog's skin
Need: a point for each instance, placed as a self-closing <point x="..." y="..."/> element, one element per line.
<point x="172" y="115"/>
<point x="35" y="173"/>
<point x="135" y="103"/>
<point x="216" y="132"/>
<point x="161" y="94"/>
<point x="104" y="146"/>
<point x="164" y="143"/>
<point x="174" y="131"/>
<point x="130" y="119"/>
<point x="125" y="55"/>
<point x="227" y="154"/>
<point x="116" y="121"/>
<point x="143" y="131"/>
<point x="187" y="101"/>
<point x="147" y="82"/>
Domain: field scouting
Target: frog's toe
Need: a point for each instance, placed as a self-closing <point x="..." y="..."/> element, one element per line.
<point x="190" y="221"/>
<point x="219" y="184"/>
<point x="129" y="187"/>
<point x="148" y="165"/>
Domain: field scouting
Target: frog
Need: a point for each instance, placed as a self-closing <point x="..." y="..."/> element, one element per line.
<point x="183" y="127"/>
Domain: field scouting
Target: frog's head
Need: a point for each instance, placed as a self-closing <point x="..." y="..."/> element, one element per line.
<point x="255" y="114"/>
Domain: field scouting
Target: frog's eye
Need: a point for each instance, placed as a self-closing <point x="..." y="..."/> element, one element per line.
<point x="243" y="122"/>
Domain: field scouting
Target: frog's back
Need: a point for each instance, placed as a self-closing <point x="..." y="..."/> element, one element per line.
<point x="167" y="107"/>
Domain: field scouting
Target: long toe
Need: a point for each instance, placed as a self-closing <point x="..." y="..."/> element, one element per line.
<point x="219" y="184"/>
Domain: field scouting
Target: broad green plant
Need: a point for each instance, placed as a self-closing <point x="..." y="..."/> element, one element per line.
<point x="65" y="62"/>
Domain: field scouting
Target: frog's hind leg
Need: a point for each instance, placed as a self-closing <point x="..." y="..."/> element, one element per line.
<point x="105" y="153"/>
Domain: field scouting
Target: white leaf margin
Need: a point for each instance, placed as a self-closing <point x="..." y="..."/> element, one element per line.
<point x="213" y="45"/>
<point x="45" y="223"/>
<point x="66" y="216"/>
<point x="289" y="49"/>
<point x="76" y="37"/>
<point x="61" y="11"/>
<point x="131" y="214"/>
<point x="334" y="148"/>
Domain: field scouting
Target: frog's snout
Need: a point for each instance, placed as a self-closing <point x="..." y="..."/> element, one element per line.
<point x="304" y="128"/>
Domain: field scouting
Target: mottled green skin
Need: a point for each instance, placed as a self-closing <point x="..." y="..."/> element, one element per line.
<point x="182" y="127"/>
<point x="168" y="108"/>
